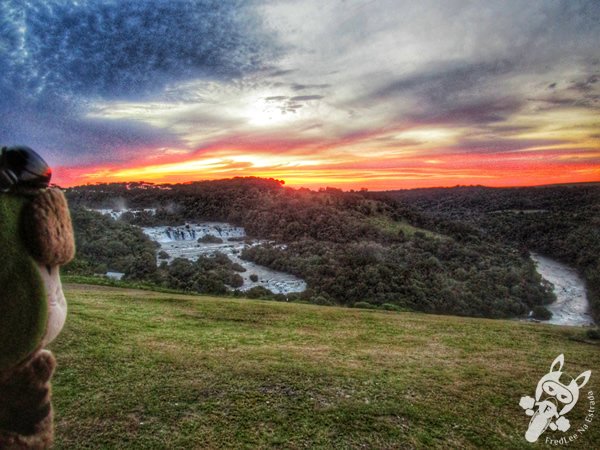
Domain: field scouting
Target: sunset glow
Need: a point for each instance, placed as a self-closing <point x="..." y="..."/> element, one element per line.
<point x="310" y="94"/>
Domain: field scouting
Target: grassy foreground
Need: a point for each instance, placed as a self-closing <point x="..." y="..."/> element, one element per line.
<point x="140" y="369"/>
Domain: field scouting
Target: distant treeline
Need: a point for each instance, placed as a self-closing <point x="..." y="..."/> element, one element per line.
<point x="445" y="251"/>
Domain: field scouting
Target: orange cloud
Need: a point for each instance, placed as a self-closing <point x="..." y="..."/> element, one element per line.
<point x="326" y="167"/>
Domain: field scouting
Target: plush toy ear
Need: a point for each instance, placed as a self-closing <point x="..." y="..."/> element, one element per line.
<point x="47" y="230"/>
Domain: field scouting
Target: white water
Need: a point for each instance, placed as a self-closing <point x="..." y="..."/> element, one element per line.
<point x="183" y="243"/>
<point x="571" y="306"/>
<point x="117" y="213"/>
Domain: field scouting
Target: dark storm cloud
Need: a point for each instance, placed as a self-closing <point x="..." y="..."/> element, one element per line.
<point x="588" y="91"/>
<point x="306" y="98"/>
<point x="124" y="48"/>
<point x="581" y="92"/>
<point x="476" y="111"/>
<point x="287" y="104"/>
<point x="452" y="93"/>
<point x="441" y="82"/>
<point x="588" y="84"/>
<point x="484" y="85"/>
<point x="62" y="136"/>
<point x="279" y="73"/>
<point x="302" y="87"/>
<point x="57" y="57"/>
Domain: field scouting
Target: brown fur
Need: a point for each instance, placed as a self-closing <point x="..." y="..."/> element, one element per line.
<point x="47" y="229"/>
<point x="26" y="417"/>
<point x="25" y="407"/>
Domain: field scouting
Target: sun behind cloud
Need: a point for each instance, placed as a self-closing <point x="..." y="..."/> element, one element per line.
<point x="383" y="95"/>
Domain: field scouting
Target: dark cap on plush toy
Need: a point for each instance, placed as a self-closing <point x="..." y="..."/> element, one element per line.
<point x="22" y="167"/>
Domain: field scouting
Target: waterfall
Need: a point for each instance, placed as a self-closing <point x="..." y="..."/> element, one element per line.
<point x="183" y="233"/>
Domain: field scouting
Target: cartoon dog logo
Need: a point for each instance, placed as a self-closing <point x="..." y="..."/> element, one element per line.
<point x="553" y="399"/>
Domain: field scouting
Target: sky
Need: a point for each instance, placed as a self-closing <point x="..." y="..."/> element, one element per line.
<point x="385" y="94"/>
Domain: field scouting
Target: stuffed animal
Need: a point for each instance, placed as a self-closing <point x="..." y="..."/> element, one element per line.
<point x="36" y="237"/>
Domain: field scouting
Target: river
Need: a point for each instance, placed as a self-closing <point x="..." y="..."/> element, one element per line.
<point x="182" y="242"/>
<point x="571" y="306"/>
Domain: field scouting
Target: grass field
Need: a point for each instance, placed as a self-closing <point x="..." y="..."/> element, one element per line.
<point x="394" y="227"/>
<point x="139" y="369"/>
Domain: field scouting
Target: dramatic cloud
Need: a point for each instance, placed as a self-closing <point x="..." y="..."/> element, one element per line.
<point x="58" y="57"/>
<point x="127" y="48"/>
<point x="382" y="94"/>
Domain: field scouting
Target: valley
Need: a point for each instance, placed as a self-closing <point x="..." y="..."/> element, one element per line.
<point x="457" y="251"/>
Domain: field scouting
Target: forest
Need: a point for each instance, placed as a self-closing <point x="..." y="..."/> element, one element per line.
<point x="460" y="251"/>
<point x="561" y="221"/>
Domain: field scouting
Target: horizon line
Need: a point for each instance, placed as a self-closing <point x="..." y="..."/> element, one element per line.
<point x="363" y="189"/>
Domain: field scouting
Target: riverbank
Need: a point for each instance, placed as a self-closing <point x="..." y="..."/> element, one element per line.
<point x="571" y="306"/>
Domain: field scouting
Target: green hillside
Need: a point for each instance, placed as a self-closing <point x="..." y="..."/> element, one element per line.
<point x="140" y="369"/>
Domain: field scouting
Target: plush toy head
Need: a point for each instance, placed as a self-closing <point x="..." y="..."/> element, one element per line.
<point x="35" y="238"/>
